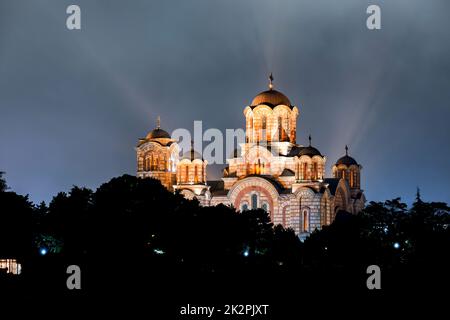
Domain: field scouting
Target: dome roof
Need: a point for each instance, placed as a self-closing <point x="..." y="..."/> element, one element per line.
<point x="192" y="155"/>
<point x="347" y="160"/>
<point x="294" y="151"/>
<point x="309" y="151"/>
<point x="271" y="98"/>
<point x="304" y="151"/>
<point x="158" y="133"/>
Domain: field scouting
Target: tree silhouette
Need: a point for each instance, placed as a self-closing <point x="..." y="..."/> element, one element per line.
<point x="15" y="225"/>
<point x="135" y="224"/>
<point x="3" y="185"/>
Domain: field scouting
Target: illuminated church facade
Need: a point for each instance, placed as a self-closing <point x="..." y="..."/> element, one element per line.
<point x="269" y="171"/>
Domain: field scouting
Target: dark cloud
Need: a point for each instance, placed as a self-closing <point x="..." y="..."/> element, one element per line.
<point x="74" y="103"/>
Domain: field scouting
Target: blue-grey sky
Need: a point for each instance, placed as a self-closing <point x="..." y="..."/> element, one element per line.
<point x="74" y="103"/>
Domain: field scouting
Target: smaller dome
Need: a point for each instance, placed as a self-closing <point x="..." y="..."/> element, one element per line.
<point x="294" y="151"/>
<point x="309" y="151"/>
<point x="158" y="133"/>
<point x="346" y="160"/>
<point x="192" y="155"/>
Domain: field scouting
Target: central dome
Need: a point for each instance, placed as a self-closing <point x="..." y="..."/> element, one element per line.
<point x="271" y="98"/>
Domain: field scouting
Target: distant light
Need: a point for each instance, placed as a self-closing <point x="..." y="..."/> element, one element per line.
<point x="326" y="248"/>
<point x="43" y="252"/>
<point x="396" y="245"/>
<point x="158" y="251"/>
<point x="385" y="229"/>
<point x="246" y="253"/>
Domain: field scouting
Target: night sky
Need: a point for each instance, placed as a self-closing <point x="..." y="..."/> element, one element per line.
<point x="74" y="103"/>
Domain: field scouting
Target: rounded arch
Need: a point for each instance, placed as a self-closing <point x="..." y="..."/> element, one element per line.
<point x="304" y="192"/>
<point x="262" y="109"/>
<point x="281" y="108"/>
<point x="247" y="186"/>
<point x="305" y="197"/>
<point x="151" y="146"/>
<point x="341" y="197"/>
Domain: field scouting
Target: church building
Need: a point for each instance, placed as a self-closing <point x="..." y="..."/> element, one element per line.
<point x="269" y="171"/>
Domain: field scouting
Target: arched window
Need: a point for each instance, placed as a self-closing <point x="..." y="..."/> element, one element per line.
<point x="287" y="127"/>
<point x="155" y="161"/>
<point x="265" y="206"/>
<point x="305" y="221"/>
<point x="258" y="167"/>
<point x="280" y="129"/>
<point x="304" y="171"/>
<point x="352" y="179"/>
<point x="254" y="201"/>
<point x="251" y="130"/>
<point x="174" y="165"/>
<point x="186" y="170"/>
<point x="162" y="163"/>
<point x="264" y="122"/>
<point x="315" y="171"/>
<point x="244" y="207"/>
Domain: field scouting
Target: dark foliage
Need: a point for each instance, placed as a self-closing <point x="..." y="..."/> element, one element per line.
<point x="130" y="224"/>
<point x="15" y="225"/>
<point x="3" y="185"/>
